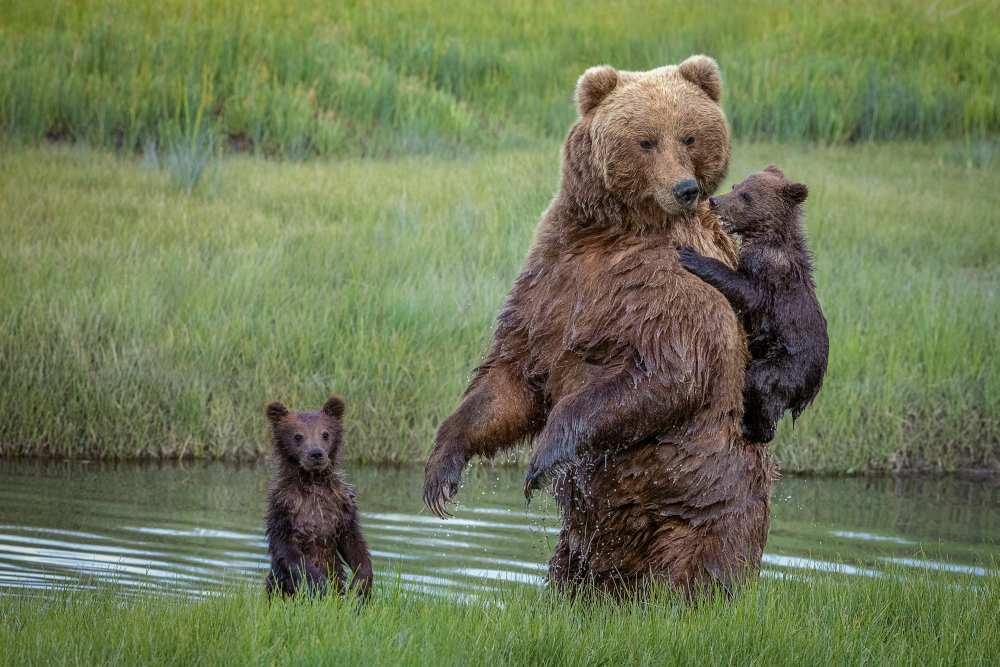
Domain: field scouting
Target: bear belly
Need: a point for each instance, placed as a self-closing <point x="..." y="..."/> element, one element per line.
<point x="693" y="515"/>
<point x="316" y="531"/>
<point x="689" y="507"/>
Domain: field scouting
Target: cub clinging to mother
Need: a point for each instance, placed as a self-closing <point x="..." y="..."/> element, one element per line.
<point x="772" y="291"/>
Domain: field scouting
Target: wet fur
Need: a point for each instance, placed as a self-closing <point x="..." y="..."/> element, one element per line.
<point x="625" y="369"/>
<point x="773" y="292"/>
<point x="312" y="517"/>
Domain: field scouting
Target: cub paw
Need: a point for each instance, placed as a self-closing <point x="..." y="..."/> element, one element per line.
<point x="760" y="434"/>
<point x="688" y="256"/>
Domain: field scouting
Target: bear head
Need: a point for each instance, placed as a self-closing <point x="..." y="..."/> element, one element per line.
<point x="308" y="440"/>
<point x="764" y="202"/>
<point x="658" y="136"/>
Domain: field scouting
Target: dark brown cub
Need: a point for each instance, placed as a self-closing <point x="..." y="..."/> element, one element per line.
<point x="312" y="517"/>
<point x="773" y="292"/>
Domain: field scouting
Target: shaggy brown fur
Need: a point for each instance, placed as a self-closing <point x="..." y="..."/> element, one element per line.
<point x="312" y="518"/>
<point x="626" y="369"/>
<point x="772" y="291"/>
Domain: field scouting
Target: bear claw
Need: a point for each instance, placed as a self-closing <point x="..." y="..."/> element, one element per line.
<point x="437" y="500"/>
<point x="533" y="481"/>
<point x="529" y="487"/>
<point x="441" y="484"/>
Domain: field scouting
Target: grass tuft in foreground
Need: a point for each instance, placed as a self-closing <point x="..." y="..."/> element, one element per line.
<point x="828" y="620"/>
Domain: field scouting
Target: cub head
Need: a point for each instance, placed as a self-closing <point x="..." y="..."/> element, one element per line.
<point x="764" y="201"/>
<point x="659" y="135"/>
<point x="309" y="440"/>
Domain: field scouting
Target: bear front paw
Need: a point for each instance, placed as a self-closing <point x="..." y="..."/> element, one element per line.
<point x="289" y="580"/>
<point x="315" y="581"/>
<point x="442" y="479"/>
<point x="538" y="477"/>
<point x="532" y="482"/>
<point x="547" y="460"/>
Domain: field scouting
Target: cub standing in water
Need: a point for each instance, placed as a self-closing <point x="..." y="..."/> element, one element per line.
<point x="312" y="519"/>
<point x="772" y="291"/>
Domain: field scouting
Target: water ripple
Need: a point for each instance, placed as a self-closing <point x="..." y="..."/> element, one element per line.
<point x="189" y="531"/>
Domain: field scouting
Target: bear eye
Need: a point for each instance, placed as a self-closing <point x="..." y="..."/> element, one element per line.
<point x="688" y="141"/>
<point x="745" y="197"/>
<point x="647" y="144"/>
<point x="326" y="436"/>
<point x="298" y="438"/>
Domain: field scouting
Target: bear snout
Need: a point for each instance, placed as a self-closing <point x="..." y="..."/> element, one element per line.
<point x="686" y="192"/>
<point x="314" y="458"/>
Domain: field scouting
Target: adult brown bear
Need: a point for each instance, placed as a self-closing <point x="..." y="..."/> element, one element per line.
<point x="626" y="369"/>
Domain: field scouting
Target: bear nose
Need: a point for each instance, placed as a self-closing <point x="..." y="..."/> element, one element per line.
<point x="315" y="454"/>
<point x="686" y="192"/>
<point x="713" y="203"/>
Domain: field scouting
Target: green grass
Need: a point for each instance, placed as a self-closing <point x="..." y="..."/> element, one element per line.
<point x="829" y="620"/>
<point x="358" y="78"/>
<point x="140" y="321"/>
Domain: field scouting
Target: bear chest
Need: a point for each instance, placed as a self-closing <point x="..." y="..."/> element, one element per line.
<point x="612" y="296"/>
<point x="317" y="519"/>
<point x="602" y="306"/>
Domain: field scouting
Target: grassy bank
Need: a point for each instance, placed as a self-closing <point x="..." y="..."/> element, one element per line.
<point x="358" y="78"/>
<point x="139" y="321"/>
<point x="827" y="621"/>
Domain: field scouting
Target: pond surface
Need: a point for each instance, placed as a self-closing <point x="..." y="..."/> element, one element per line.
<point x="189" y="528"/>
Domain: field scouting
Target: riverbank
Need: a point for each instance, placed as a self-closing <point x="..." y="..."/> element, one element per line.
<point x="398" y="77"/>
<point x="140" y="321"/>
<point x="820" y="620"/>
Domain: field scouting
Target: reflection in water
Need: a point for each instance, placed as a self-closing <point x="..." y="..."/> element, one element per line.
<point x="187" y="529"/>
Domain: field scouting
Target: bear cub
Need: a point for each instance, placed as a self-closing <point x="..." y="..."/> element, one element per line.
<point x="312" y="518"/>
<point x="773" y="292"/>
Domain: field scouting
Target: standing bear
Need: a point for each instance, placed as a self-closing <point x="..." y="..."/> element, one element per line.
<point x="313" y="528"/>
<point x="625" y="369"/>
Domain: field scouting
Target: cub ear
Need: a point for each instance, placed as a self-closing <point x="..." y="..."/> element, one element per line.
<point x="703" y="72"/>
<point x="276" y="411"/>
<point x="334" y="407"/>
<point x="594" y="86"/>
<point x="774" y="170"/>
<point x="795" y="193"/>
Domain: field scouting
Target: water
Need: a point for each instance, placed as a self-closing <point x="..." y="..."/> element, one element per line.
<point x="187" y="529"/>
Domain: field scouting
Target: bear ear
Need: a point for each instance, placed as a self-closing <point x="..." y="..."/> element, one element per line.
<point x="703" y="72"/>
<point x="334" y="407"/>
<point x="795" y="193"/>
<point x="276" y="411"/>
<point x="774" y="170"/>
<point x="595" y="84"/>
